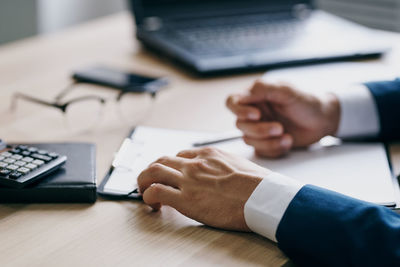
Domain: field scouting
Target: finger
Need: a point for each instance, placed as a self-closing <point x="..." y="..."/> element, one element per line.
<point x="267" y="112"/>
<point x="260" y="130"/>
<point x="158" y="173"/>
<point x="176" y="163"/>
<point x="189" y="154"/>
<point x="273" y="148"/>
<point x="196" y="152"/>
<point x="243" y="112"/>
<point x="159" y="194"/>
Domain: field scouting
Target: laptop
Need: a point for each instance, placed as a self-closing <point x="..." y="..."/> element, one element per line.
<point x="224" y="36"/>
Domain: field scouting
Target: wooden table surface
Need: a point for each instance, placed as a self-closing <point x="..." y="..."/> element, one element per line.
<point x="111" y="233"/>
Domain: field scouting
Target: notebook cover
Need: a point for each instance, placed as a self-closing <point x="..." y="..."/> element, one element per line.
<point x="75" y="182"/>
<point x="114" y="196"/>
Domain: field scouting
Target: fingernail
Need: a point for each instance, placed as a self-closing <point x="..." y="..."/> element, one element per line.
<point x="253" y="116"/>
<point x="286" y="141"/>
<point x="275" y="131"/>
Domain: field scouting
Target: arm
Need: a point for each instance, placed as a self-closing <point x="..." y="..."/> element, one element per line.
<point x="320" y="227"/>
<point x="313" y="226"/>
<point x="324" y="228"/>
<point x="387" y="99"/>
<point x="276" y="118"/>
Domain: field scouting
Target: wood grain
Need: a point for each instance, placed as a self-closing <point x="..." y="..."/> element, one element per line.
<point x="110" y="233"/>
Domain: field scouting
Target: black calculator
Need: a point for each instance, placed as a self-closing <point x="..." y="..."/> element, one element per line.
<point x="21" y="165"/>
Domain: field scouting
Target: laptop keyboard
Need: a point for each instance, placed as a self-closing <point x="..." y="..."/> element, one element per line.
<point x="235" y="38"/>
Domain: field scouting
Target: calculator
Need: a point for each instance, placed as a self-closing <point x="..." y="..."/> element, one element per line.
<point x="21" y="165"/>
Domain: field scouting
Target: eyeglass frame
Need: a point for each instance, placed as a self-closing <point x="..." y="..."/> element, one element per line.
<point x="63" y="106"/>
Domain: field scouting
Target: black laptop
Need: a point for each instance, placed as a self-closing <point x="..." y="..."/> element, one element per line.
<point x="219" y="36"/>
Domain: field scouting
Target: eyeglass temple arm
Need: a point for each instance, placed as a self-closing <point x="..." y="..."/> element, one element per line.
<point x="153" y="94"/>
<point x="17" y="96"/>
<point x="65" y="91"/>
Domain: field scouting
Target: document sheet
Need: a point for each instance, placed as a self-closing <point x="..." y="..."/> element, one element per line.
<point x="359" y="170"/>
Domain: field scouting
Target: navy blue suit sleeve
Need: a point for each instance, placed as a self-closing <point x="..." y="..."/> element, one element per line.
<point x="387" y="99"/>
<point x="324" y="228"/>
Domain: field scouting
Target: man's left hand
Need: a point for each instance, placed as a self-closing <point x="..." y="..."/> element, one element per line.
<point x="206" y="184"/>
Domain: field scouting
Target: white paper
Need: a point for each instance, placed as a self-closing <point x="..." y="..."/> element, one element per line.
<point x="358" y="170"/>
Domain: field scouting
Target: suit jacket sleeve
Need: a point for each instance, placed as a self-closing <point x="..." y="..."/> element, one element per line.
<point x="324" y="228"/>
<point x="387" y="99"/>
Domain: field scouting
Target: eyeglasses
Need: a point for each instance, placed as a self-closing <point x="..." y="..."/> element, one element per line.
<point x="84" y="112"/>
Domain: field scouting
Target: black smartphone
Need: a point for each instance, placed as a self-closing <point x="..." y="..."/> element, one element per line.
<point x="120" y="80"/>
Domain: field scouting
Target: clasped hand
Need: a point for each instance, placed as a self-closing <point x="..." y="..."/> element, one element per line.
<point x="276" y="118"/>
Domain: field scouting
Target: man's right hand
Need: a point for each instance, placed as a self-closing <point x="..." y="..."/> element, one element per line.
<point x="276" y="118"/>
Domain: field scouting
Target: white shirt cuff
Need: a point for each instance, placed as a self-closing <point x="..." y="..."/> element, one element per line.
<point x="267" y="204"/>
<point x="359" y="115"/>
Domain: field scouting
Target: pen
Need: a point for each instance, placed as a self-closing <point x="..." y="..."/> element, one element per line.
<point x="216" y="141"/>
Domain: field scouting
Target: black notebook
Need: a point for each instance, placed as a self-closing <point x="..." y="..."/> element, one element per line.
<point x="75" y="182"/>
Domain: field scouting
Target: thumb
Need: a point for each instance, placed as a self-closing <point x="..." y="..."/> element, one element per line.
<point x="262" y="91"/>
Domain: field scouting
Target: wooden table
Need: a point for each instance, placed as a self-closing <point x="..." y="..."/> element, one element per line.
<point x="112" y="233"/>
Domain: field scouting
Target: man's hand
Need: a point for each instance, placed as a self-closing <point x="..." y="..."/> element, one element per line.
<point x="207" y="185"/>
<point x="275" y="118"/>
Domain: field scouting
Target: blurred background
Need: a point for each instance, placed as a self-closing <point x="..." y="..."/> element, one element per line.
<point x="20" y="18"/>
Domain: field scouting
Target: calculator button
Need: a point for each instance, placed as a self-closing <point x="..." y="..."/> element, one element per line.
<point x="17" y="157"/>
<point x="22" y="147"/>
<point x="25" y="153"/>
<point x="20" y="163"/>
<point x="24" y="170"/>
<point x="6" y="154"/>
<point x="41" y="157"/>
<point x="9" y="160"/>
<point x="30" y="166"/>
<point x="1" y="158"/>
<point x="42" y="152"/>
<point x="4" y="172"/>
<point x="15" y="151"/>
<point x="12" y="167"/>
<point x="33" y="149"/>
<point x="38" y="162"/>
<point x="27" y="159"/>
<point x="53" y="155"/>
<point x="3" y="164"/>
<point x="15" y="175"/>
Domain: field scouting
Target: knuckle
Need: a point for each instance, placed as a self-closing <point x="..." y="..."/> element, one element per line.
<point x="194" y="168"/>
<point x="163" y="159"/>
<point x="200" y="164"/>
<point x="156" y="189"/>
<point x="195" y="165"/>
<point x="285" y="89"/>
<point x="247" y="141"/>
<point x="151" y="195"/>
<point x="183" y="152"/>
<point x="155" y="167"/>
<point x="258" y="83"/>
<point x="208" y="151"/>
<point x="261" y="128"/>
<point x="238" y="124"/>
<point x="229" y="101"/>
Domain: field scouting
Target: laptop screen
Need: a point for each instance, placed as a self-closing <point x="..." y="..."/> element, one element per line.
<point x="194" y="8"/>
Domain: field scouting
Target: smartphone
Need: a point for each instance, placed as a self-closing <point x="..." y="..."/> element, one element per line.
<point x="120" y="80"/>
